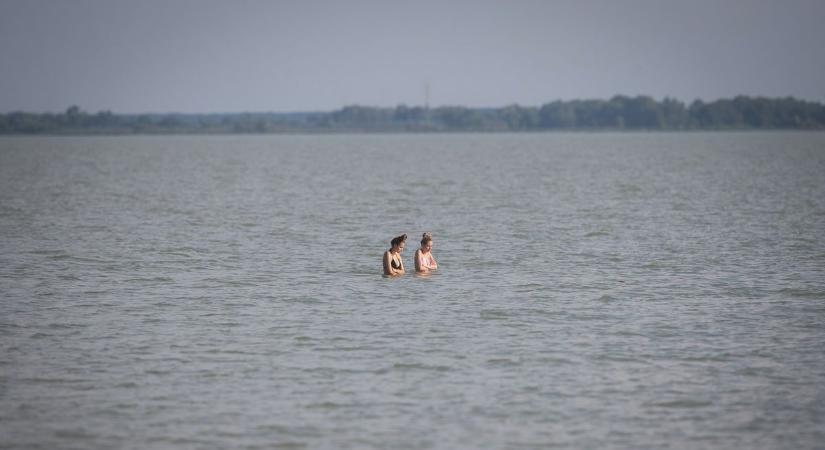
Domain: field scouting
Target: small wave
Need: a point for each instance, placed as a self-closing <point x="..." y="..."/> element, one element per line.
<point x="343" y="349"/>
<point x="295" y="430"/>
<point x="79" y="259"/>
<point x="681" y="404"/>
<point x="48" y="252"/>
<point x="330" y="405"/>
<point x="596" y="234"/>
<point x="169" y="359"/>
<point x="554" y="360"/>
<point x="503" y="362"/>
<point x="94" y="292"/>
<point x="221" y="351"/>
<point x="38" y="380"/>
<point x="63" y="326"/>
<point x="710" y="358"/>
<point x="802" y="293"/>
<point x="532" y="312"/>
<point x="75" y="434"/>
<point x="618" y="358"/>
<point x="756" y="371"/>
<point x="587" y="317"/>
<point x="495" y="314"/>
<point x="162" y="304"/>
<point x="628" y="188"/>
<point x="150" y="280"/>
<point x="226" y="283"/>
<point x="6" y="329"/>
<point x="181" y="251"/>
<point x="627" y="333"/>
<point x="420" y="366"/>
<point x="176" y="441"/>
<point x="529" y="287"/>
<point x="288" y="444"/>
<point x="92" y="305"/>
<point x="120" y="406"/>
<point x="239" y="305"/>
<point x="69" y="277"/>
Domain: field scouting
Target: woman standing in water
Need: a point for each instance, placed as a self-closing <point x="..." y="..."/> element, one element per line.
<point x="424" y="261"/>
<point x="393" y="264"/>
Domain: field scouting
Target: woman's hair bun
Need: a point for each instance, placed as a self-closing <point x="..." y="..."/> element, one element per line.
<point x="398" y="239"/>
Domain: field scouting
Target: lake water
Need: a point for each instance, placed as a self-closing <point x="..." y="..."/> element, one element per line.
<point x="627" y="290"/>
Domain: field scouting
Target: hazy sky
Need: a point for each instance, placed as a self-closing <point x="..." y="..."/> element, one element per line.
<point x="245" y="55"/>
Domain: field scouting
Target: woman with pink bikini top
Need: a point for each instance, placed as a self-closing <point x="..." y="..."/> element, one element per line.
<point x="424" y="260"/>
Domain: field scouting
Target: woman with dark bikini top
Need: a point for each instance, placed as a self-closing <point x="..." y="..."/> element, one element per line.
<point x="393" y="264"/>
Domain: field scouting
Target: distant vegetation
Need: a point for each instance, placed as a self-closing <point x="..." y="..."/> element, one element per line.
<point x="618" y="113"/>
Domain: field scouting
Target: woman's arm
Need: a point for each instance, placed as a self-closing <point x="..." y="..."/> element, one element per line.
<point x="418" y="266"/>
<point x="388" y="270"/>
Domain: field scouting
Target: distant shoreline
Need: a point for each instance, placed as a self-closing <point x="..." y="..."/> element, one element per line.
<point x="413" y="133"/>
<point x="618" y="114"/>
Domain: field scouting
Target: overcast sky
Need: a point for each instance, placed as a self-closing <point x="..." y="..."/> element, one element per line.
<point x="243" y="55"/>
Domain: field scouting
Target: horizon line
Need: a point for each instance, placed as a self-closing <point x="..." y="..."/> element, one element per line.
<point x="348" y="105"/>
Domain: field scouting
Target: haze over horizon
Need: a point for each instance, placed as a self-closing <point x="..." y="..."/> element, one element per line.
<point x="220" y="56"/>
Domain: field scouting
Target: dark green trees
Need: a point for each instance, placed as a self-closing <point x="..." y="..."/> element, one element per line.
<point x="618" y="113"/>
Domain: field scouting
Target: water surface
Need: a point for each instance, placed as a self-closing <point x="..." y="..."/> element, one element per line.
<point x="659" y="290"/>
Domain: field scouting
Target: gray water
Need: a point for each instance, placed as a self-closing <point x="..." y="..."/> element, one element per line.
<point x="662" y="290"/>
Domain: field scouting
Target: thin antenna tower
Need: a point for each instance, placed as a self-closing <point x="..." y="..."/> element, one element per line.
<point x="427" y="95"/>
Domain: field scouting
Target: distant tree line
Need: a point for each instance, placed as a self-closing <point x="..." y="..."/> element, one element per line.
<point x="618" y="113"/>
